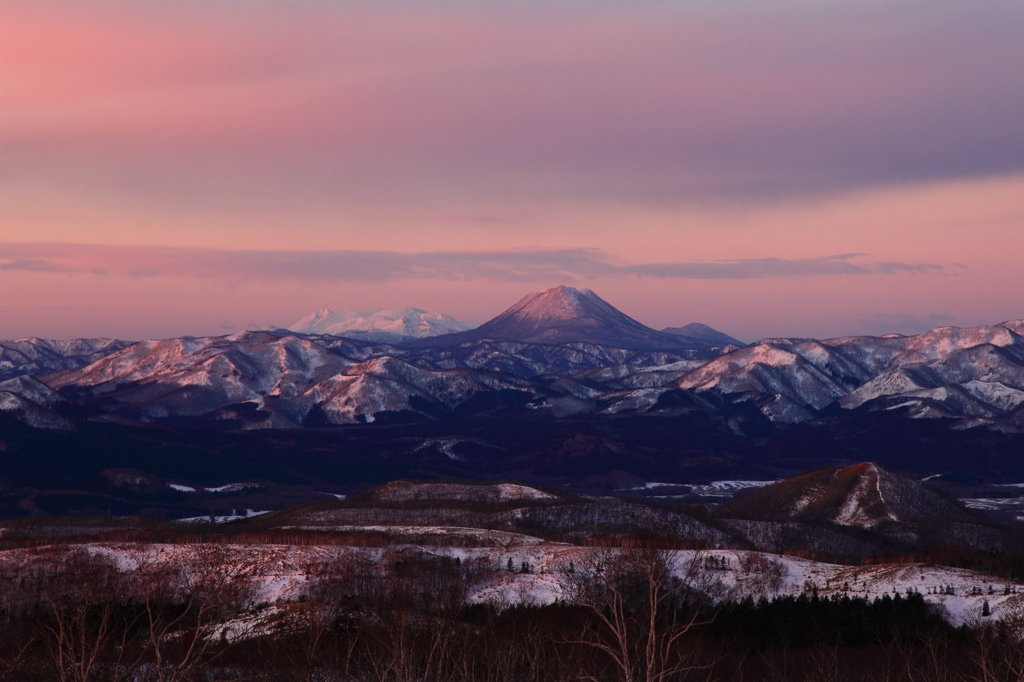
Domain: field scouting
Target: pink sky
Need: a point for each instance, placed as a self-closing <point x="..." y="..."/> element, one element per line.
<point x="809" y="169"/>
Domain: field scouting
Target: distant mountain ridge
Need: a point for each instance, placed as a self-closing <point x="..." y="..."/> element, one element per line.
<point x="380" y="326"/>
<point x="37" y="356"/>
<point x="703" y="332"/>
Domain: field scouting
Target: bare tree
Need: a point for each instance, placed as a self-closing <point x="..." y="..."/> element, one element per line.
<point x="415" y="607"/>
<point x="644" y="602"/>
<point x="327" y="629"/>
<point x="186" y="605"/>
<point x="998" y="647"/>
<point x="85" y="626"/>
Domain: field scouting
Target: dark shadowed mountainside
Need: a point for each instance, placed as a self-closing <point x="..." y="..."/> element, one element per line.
<point x="862" y="495"/>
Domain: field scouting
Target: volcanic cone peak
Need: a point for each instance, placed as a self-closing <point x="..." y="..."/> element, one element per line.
<point x="564" y="304"/>
<point x="566" y="315"/>
<point x="862" y="495"/>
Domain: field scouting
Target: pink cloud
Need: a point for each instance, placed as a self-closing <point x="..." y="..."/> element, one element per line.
<point x="626" y="99"/>
<point x="521" y="265"/>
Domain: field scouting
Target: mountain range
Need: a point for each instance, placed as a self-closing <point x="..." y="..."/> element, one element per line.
<point x="556" y="353"/>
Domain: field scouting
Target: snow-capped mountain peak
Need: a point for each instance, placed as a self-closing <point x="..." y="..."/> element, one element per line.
<point x="559" y="303"/>
<point x="387" y="326"/>
<point x="322" y="319"/>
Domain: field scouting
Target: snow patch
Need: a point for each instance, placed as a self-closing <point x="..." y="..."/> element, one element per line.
<point x="249" y="513"/>
<point x="232" y="488"/>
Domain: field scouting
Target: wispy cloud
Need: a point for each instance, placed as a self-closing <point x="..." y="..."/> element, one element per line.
<point x="30" y="265"/>
<point x="761" y="268"/>
<point x="370" y="266"/>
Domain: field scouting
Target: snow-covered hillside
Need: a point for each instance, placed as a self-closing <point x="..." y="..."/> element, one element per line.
<point x="280" y="574"/>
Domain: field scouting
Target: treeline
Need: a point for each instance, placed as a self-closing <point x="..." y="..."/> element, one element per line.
<point x="402" y="615"/>
<point x="1008" y="565"/>
<point x="807" y="621"/>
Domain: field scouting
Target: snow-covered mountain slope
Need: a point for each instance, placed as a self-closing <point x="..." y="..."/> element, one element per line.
<point x="265" y="380"/>
<point x="380" y="326"/>
<point x="703" y="332"/>
<point x="392" y="385"/>
<point x="1015" y="326"/>
<point x="563" y="315"/>
<point x="971" y="372"/>
<point x="862" y="496"/>
<point x="30" y="401"/>
<point x="34" y="356"/>
<point x="234" y="368"/>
